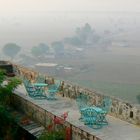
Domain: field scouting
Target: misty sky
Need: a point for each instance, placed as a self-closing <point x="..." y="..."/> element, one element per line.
<point x="6" y="6"/>
<point x="28" y="22"/>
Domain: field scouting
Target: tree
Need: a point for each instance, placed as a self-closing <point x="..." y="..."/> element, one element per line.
<point x="58" y="47"/>
<point x="36" y="51"/>
<point x="85" y="36"/>
<point x="27" y="60"/>
<point x="7" y="89"/>
<point x="40" y="50"/>
<point x="84" y="32"/>
<point x="73" y="41"/>
<point x="11" y="49"/>
<point x="8" y="127"/>
<point x="44" y="47"/>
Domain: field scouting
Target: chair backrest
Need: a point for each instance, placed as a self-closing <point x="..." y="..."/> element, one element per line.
<point x="82" y="101"/>
<point x="29" y="87"/>
<point x="54" y="86"/>
<point x="90" y="112"/>
<point x="106" y="104"/>
<point x="26" y="82"/>
<point x="40" y="79"/>
<point x="39" y="90"/>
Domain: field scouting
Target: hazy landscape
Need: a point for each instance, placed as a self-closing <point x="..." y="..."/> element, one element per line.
<point x="109" y="62"/>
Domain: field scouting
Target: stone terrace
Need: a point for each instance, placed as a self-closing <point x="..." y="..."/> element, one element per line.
<point x="116" y="130"/>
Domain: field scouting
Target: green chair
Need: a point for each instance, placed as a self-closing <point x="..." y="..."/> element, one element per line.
<point x="91" y="118"/>
<point x="82" y="101"/>
<point x="52" y="90"/>
<point x="40" y="79"/>
<point x="33" y="91"/>
<point x="105" y="106"/>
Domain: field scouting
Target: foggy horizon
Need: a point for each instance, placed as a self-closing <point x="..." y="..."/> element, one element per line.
<point x="112" y="58"/>
<point x="73" y="5"/>
<point x="41" y="27"/>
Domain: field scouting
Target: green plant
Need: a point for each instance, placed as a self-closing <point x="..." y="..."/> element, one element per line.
<point x="8" y="127"/>
<point x="56" y="129"/>
<point x="6" y="89"/>
<point x="11" y="49"/>
<point x="53" y="135"/>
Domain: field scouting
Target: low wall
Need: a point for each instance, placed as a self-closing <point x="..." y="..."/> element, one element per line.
<point x="44" y="117"/>
<point x="119" y="109"/>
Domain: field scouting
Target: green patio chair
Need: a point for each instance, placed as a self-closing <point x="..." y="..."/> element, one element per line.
<point x="40" y="79"/>
<point x="52" y="90"/>
<point x="82" y="101"/>
<point x="105" y="106"/>
<point x="91" y="118"/>
<point x="34" y="92"/>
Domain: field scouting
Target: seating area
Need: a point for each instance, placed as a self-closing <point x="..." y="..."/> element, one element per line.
<point x="91" y="115"/>
<point x="41" y="90"/>
<point x="83" y="114"/>
<point x="116" y="129"/>
<point x="52" y="90"/>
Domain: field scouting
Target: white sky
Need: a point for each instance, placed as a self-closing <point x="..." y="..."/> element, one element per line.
<point x="7" y="6"/>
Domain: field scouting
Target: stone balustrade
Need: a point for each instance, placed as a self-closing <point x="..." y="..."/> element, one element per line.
<point x="119" y="109"/>
<point x="44" y="117"/>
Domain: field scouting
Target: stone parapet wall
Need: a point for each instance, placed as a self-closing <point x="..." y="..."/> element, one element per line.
<point x="44" y="117"/>
<point x="119" y="109"/>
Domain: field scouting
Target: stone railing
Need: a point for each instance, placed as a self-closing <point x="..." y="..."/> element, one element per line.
<point x="119" y="109"/>
<point x="43" y="116"/>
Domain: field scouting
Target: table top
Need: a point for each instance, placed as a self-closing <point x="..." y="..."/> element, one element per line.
<point x="40" y="84"/>
<point x="52" y="90"/>
<point x="98" y="109"/>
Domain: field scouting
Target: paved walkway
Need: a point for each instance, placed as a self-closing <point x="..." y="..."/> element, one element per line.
<point x="116" y="130"/>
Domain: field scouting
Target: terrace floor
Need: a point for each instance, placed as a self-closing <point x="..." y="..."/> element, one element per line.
<point x="116" y="130"/>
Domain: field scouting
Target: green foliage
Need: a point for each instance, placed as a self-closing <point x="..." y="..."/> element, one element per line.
<point x="40" y="50"/>
<point x="84" y="32"/>
<point x="44" y="47"/>
<point x="58" y="47"/>
<point x="53" y="135"/>
<point x="2" y="76"/>
<point x="8" y="127"/>
<point x="11" y="49"/>
<point x="73" y="41"/>
<point x="84" y="36"/>
<point x="7" y="88"/>
<point x="36" y="51"/>
<point x="12" y="84"/>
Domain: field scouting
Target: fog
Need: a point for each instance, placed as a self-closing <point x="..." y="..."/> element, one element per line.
<point x="28" y="29"/>
<point x="107" y="60"/>
<point x="69" y="5"/>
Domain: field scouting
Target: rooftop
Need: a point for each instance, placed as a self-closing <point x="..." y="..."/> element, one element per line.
<point x="47" y="64"/>
<point x="115" y="130"/>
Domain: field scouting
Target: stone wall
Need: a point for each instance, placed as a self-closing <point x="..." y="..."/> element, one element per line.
<point x="44" y="117"/>
<point x="119" y="109"/>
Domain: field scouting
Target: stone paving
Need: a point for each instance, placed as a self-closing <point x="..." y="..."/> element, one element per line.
<point x="115" y="130"/>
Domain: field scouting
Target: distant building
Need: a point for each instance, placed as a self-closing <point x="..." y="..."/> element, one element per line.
<point x="63" y="70"/>
<point x="67" y="69"/>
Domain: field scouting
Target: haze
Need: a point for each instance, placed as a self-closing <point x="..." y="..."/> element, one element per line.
<point x="69" y="5"/>
<point x="110" y="64"/>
